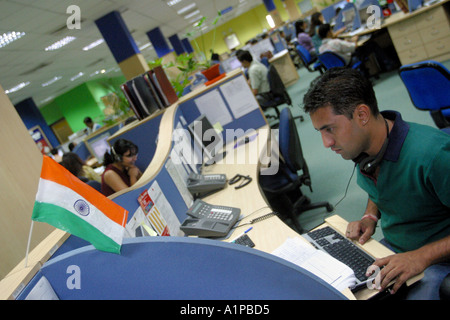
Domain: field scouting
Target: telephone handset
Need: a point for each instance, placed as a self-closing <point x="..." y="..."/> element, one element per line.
<point x="206" y="220"/>
<point x="199" y="183"/>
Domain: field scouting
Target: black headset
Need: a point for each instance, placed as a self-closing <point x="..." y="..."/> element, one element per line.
<point x="117" y="157"/>
<point x="368" y="164"/>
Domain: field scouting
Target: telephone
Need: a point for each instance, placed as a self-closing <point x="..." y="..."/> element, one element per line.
<point x="206" y="220"/>
<point x="198" y="183"/>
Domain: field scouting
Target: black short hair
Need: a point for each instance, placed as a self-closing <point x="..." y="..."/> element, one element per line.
<point x="323" y="30"/>
<point x="244" y="55"/>
<point x="343" y="89"/>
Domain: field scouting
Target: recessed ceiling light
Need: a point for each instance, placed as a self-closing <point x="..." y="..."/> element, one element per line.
<point x="75" y="77"/>
<point x="18" y="87"/>
<point x="10" y="37"/>
<point x="59" y="44"/>
<point x="193" y="13"/>
<point x="93" y="44"/>
<point x="51" y="81"/>
<point x="173" y="2"/>
<point x="187" y="8"/>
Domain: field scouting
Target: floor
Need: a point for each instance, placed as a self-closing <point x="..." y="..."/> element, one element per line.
<point x="330" y="174"/>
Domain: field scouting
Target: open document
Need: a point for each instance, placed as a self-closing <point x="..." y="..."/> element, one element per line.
<point x="337" y="274"/>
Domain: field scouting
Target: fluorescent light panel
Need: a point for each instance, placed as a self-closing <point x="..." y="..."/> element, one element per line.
<point x="61" y="43"/>
<point x="51" y="81"/>
<point x="186" y="8"/>
<point x="18" y="87"/>
<point x="93" y="44"/>
<point x="193" y="13"/>
<point x="173" y="2"/>
<point x="10" y="37"/>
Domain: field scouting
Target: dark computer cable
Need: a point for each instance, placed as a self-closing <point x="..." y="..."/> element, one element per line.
<point x="346" y="189"/>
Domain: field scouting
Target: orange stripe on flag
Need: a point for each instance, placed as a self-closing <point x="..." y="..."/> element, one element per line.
<point x="55" y="172"/>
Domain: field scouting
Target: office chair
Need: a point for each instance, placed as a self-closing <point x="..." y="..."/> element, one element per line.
<point x="428" y="85"/>
<point x="82" y="151"/>
<point x="95" y="184"/>
<point x="307" y="60"/>
<point x="330" y="59"/>
<point x="278" y="92"/>
<point x="283" y="188"/>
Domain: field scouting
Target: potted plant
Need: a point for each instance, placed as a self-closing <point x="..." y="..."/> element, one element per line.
<point x="209" y="71"/>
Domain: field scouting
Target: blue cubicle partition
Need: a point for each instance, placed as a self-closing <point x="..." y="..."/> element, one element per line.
<point x="144" y="135"/>
<point x="174" y="268"/>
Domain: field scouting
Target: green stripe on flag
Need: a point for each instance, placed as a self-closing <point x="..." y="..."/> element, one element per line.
<point x="67" y="221"/>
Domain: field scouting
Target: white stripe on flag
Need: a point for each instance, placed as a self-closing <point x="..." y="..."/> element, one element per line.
<point x="59" y="195"/>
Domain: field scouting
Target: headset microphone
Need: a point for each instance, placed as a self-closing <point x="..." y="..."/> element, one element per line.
<point x="369" y="164"/>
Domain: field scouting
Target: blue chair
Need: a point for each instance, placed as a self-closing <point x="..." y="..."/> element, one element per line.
<point x="307" y="60"/>
<point x="428" y="85"/>
<point x="82" y="151"/>
<point x="283" y="188"/>
<point x="330" y="60"/>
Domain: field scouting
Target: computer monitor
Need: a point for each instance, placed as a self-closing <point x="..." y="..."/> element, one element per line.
<point x="413" y="5"/>
<point x="363" y="15"/>
<point x="99" y="145"/>
<point x="231" y="64"/>
<point x="207" y="138"/>
<point x="348" y="17"/>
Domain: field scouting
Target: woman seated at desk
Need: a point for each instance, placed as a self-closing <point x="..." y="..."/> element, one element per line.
<point x="120" y="169"/>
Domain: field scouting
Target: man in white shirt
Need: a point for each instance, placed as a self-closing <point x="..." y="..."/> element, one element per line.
<point x="343" y="48"/>
<point x="258" y="77"/>
<point x="91" y="126"/>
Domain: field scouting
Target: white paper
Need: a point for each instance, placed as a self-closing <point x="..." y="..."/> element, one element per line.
<point x="329" y="269"/>
<point x="239" y="97"/>
<point x="165" y="209"/>
<point x="179" y="176"/>
<point x="213" y="106"/>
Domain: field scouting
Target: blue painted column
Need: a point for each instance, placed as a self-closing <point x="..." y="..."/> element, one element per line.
<point x="187" y="45"/>
<point x="159" y="42"/>
<point x="122" y="45"/>
<point x="31" y="117"/>
<point x="177" y="44"/>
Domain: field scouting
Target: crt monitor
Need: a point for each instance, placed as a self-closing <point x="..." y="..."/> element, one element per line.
<point x="99" y="145"/>
<point x="363" y="15"/>
<point x="207" y="137"/>
<point x="349" y="17"/>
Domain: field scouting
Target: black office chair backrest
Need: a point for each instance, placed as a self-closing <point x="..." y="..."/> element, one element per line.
<point x="290" y="145"/>
<point x="276" y="84"/>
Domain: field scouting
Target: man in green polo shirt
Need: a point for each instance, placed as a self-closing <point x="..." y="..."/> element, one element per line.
<point x="405" y="169"/>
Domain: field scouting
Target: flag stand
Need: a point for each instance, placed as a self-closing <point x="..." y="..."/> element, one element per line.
<point x="28" y="244"/>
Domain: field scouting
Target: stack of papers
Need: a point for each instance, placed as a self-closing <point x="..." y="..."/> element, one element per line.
<point x="331" y="270"/>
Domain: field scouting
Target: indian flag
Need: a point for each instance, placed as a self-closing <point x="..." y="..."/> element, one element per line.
<point x="69" y="204"/>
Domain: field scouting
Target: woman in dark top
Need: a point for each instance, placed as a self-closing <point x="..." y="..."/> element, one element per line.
<point x="120" y="169"/>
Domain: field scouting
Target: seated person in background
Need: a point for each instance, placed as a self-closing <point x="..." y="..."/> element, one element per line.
<point x="303" y="38"/>
<point x="343" y="48"/>
<point x="120" y="170"/>
<point x="407" y="185"/>
<point x="55" y="155"/>
<point x="72" y="162"/>
<point x="317" y="20"/>
<point x="257" y="76"/>
<point x="91" y="126"/>
<point x="215" y="59"/>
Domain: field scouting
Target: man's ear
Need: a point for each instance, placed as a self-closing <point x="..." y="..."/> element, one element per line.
<point x="362" y="114"/>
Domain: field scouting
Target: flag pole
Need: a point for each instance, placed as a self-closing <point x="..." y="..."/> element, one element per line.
<point x="28" y="244"/>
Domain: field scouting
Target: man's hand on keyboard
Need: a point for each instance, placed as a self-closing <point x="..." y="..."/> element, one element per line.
<point x="361" y="230"/>
<point x="399" y="267"/>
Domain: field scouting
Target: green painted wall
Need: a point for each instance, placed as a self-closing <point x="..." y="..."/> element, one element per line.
<point x="80" y="102"/>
